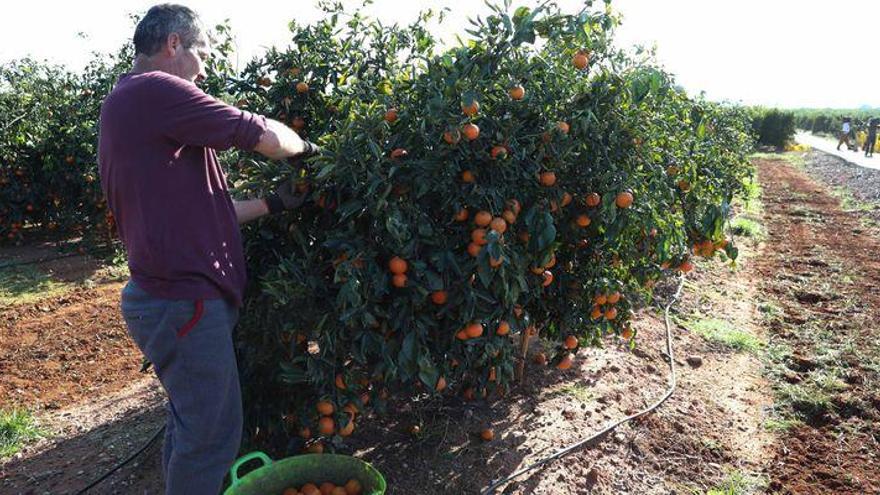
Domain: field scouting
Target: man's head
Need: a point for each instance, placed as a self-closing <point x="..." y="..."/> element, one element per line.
<point x="172" y="39"/>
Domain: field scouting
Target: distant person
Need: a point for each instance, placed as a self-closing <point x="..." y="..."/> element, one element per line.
<point x="845" y="131"/>
<point x="872" y="136"/>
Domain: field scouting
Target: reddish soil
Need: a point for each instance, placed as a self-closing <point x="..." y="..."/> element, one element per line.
<point x="64" y="349"/>
<point x="822" y="269"/>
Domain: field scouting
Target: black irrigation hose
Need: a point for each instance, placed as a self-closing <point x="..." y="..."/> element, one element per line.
<point x="123" y="463"/>
<point x="495" y="484"/>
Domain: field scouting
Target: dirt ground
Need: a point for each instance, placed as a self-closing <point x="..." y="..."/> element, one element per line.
<point x="804" y="294"/>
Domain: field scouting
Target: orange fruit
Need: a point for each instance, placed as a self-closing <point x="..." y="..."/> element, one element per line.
<point x="441" y="384"/>
<point x="326" y="488"/>
<point x="596" y="313"/>
<point x="566" y="199"/>
<point x="571" y="342"/>
<point x="295" y="71"/>
<point x="298" y="123"/>
<point x="397" y="265"/>
<point x="514" y="206"/>
<point x="566" y="362"/>
<point x="290" y="491"/>
<point x="524" y="236"/>
<point x="339" y="490"/>
<point x="684" y="185"/>
<point x="470" y="109"/>
<point x="614" y="297"/>
<point x="353" y="487"/>
<point x="439" y="297"/>
<point x="517" y="92"/>
<point x="325" y="408"/>
<point x="593" y="199"/>
<point x="509" y="217"/>
<point x="391" y="115"/>
<point x="305" y="433"/>
<point x="537" y="270"/>
<point x="563" y="127"/>
<point x="326" y="425"/>
<point x="551" y="263"/>
<point x="351" y="409"/>
<point x="348" y="429"/>
<point x="580" y="60"/>
<point x="461" y="335"/>
<point x="398" y="153"/>
<point x="311" y="488"/>
<point x="492" y="374"/>
<point x="473" y="330"/>
<point x="302" y="88"/>
<point x="474" y="249"/>
<point x="498" y="152"/>
<point x="503" y="328"/>
<point x="399" y="280"/>
<point x="548" y="179"/>
<point x="627" y="333"/>
<point x="540" y="358"/>
<point x="610" y="313"/>
<point x="340" y="382"/>
<point x="624" y="199"/>
<point x="686" y="266"/>
<point x="483" y="218"/>
<point x="467" y="177"/>
<point x="548" y="278"/>
<point x="487" y="435"/>
<point x="672" y="170"/>
<point x="452" y="136"/>
<point x="462" y="215"/>
<point x="600" y="299"/>
<point x="499" y="225"/>
<point x="470" y="131"/>
<point x="583" y="220"/>
<point x="478" y="236"/>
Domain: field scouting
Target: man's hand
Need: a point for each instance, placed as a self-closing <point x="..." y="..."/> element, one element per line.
<point x="285" y="198"/>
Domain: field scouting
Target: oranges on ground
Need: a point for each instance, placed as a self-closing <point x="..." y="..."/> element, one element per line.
<point x="470" y="131"/>
<point x="302" y="88"/>
<point x="391" y="115"/>
<point x="571" y="342"/>
<point x="580" y="60"/>
<point x="548" y="179"/>
<point x="473" y="330"/>
<point x="566" y="362"/>
<point x="397" y="265"/>
<point x="503" y="328"/>
<point x="593" y="199"/>
<point x="487" y="435"/>
<point x="517" y="92"/>
<point x="483" y="218"/>
<point x="325" y="408"/>
<point x="624" y="199"/>
<point x="439" y="297"/>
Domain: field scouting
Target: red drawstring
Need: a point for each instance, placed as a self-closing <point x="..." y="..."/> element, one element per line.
<point x="200" y="308"/>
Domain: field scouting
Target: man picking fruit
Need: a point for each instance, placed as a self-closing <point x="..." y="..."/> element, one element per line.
<point x="159" y="172"/>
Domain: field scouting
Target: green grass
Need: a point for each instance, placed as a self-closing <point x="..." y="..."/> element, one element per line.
<point x="724" y="333"/>
<point x="795" y="158"/>
<point x="16" y="428"/>
<point x="746" y="227"/>
<point x="579" y="392"/>
<point x="780" y="425"/>
<point x="849" y="202"/>
<point x="739" y="483"/>
<point x="24" y="284"/>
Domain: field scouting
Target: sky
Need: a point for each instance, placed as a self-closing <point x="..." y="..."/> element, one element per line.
<point x="785" y="53"/>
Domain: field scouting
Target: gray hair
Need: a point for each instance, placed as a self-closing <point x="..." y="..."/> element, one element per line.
<point x="162" y="20"/>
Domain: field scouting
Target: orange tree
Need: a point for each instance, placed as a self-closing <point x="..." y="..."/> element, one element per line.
<point x="531" y="181"/>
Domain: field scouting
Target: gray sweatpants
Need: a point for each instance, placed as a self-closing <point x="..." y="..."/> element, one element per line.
<point x="190" y="345"/>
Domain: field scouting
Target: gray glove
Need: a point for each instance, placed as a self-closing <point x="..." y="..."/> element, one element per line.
<point x="285" y="198"/>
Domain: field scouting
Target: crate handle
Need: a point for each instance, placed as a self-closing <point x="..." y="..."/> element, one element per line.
<point x="233" y="473"/>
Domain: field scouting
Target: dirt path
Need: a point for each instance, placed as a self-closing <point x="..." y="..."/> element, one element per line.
<point x="822" y="269"/>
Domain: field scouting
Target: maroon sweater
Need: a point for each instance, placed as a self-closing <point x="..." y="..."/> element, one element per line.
<point x="160" y="175"/>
